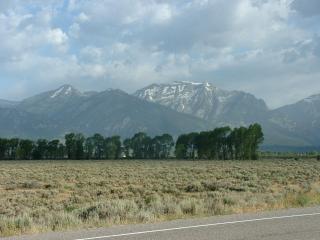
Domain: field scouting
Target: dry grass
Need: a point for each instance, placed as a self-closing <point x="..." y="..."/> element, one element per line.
<point x="53" y="196"/>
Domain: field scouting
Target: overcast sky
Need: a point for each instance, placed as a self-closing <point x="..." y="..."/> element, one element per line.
<point x="270" y="48"/>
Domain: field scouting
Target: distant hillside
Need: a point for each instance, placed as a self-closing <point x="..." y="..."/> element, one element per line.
<point x="7" y="104"/>
<point x="22" y="124"/>
<point x="301" y="119"/>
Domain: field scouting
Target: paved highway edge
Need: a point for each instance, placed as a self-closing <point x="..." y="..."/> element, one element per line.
<point x="200" y="226"/>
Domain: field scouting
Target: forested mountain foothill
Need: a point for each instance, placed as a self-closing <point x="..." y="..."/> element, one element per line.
<point x="221" y="143"/>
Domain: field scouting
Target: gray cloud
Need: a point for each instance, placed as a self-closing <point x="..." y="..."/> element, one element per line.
<point x="307" y="8"/>
<point x="194" y="25"/>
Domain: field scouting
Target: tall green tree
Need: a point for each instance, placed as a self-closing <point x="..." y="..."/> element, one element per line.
<point x="61" y="151"/>
<point x="53" y="149"/>
<point x="141" y="145"/>
<point x="203" y="143"/>
<point x="99" y="146"/>
<point x="220" y="142"/>
<point x="70" y="145"/>
<point x="238" y="138"/>
<point x="40" y="150"/>
<point x="186" y="147"/>
<point x="161" y="146"/>
<point x="13" y="145"/>
<point x="24" y="150"/>
<point x="256" y="138"/>
<point x="75" y="145"/>
<point x="127" y="148"/>
<point x="89" y="148"/>
<point x="182" y="146"/>
<point x="113" y="147"/>
<point x="3" y="148"/>
<point x="79" y="153"/>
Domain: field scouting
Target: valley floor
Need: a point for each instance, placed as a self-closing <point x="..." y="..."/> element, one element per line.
<point x="41" y="196"/>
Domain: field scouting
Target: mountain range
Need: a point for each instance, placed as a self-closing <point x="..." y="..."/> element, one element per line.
<point x="173" y="108"/>
<point x="55" y="113"/>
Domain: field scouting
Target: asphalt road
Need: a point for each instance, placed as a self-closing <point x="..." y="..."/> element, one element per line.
<point x="292" y="224"/>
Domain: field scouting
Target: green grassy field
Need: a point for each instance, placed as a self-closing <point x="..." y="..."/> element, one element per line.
<point x="40" y="196"/>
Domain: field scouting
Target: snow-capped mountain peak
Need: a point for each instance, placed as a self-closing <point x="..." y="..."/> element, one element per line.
<point x="52" y="101"/>
<point x="202" y="99"/>
<point x="65" y="90"/>
<point x="195" y="98"/>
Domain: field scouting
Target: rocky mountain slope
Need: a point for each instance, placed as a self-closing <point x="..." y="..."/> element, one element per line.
<point x="22" y="124"/>
<point x="116" y="112"/>
<point x="54" y="113"/>
<point x="208" y="102"/>
<point x="301" y="119"/>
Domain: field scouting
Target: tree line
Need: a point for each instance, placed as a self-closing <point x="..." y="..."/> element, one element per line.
<point x="221" y="143"/>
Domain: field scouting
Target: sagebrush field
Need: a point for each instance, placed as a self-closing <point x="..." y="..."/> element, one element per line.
<point x="38" y="196"/>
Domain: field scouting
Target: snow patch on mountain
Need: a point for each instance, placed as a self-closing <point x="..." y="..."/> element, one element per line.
<point x="57" y="93"/>
<point x="199" y="99"/>
<point x="66" y="90"/>
<point x="202" y="100"/>
<point x="69" y="90"/>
